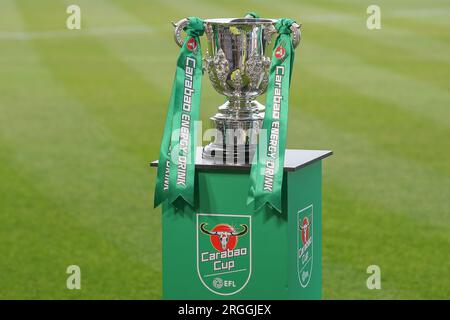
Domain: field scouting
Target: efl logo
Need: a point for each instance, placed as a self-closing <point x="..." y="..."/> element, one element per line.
<point x="191" y="44"/>
<point x="280" y="52"/>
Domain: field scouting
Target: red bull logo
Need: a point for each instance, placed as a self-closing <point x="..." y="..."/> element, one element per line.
<point x="223" y="236"/>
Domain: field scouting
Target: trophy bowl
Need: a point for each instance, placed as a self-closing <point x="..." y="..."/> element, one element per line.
<point x="237" y="60"/>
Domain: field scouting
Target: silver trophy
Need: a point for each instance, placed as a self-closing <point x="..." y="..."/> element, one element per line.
<point x="237" y="60"/>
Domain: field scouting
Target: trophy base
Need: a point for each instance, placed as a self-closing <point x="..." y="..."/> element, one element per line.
<point x="236" y="126"/>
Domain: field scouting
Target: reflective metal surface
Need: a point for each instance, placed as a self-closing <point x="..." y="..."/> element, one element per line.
<point x="237" y="61"/>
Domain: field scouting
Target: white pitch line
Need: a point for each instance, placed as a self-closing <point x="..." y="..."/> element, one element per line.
<point x="12" y="35"/>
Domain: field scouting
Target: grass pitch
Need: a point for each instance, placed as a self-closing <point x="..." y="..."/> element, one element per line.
<point x="82" y="112"/>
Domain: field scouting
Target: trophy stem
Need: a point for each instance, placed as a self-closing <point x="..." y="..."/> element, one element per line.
<point x="236" y="125"/>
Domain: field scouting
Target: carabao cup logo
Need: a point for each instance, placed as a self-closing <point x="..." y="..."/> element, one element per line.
<point x="224" y="252"/>
<point x="305" y="245"/>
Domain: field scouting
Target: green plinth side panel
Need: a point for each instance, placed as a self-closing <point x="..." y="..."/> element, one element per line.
<point x="261" y="263"/>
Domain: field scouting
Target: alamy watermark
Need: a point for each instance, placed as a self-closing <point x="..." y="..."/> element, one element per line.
<point x="233" y="141"/>
<point x="374" y="280"/>
<point x="73" y="281"/>
<point x="373" y="21"/>
<point x="73" y="21"/>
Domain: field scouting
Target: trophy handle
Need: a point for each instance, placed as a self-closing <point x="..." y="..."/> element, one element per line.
<point x="179" y="26"/>
<point x="296" y="34"/>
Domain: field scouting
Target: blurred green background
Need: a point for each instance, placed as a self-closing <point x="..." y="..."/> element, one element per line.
<point x="82" y="112"/>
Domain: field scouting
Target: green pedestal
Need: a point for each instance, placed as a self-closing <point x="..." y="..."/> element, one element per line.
<point x="224" y="250"/>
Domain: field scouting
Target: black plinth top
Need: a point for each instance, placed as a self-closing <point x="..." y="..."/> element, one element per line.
<point x="293" y="160"/>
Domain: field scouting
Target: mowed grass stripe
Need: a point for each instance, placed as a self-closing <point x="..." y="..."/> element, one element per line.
<point x="401" y="92"/>
<point x="419" y="56"/>
<point x="76" y="61"/>
<point x="161" y="12"/>
<point x="400" y="49"/>
<point x="374" y="50"/>
<point x="431" y="18"/>
<point x="371" y="118"/>
<point x="366" y="234"/>
<point x="153" y="59"/>
<point x="72" y="169"/>
<point x="409" y="18"/>
<point x="40" y="239"/>
<point x="375" y="174"/>
<point x="96" y="148"/>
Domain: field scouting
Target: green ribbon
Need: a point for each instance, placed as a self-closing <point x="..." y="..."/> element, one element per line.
<point x="176" y="166"/>
<point x="266" y="176"/>
<point x="252" y="14"/>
